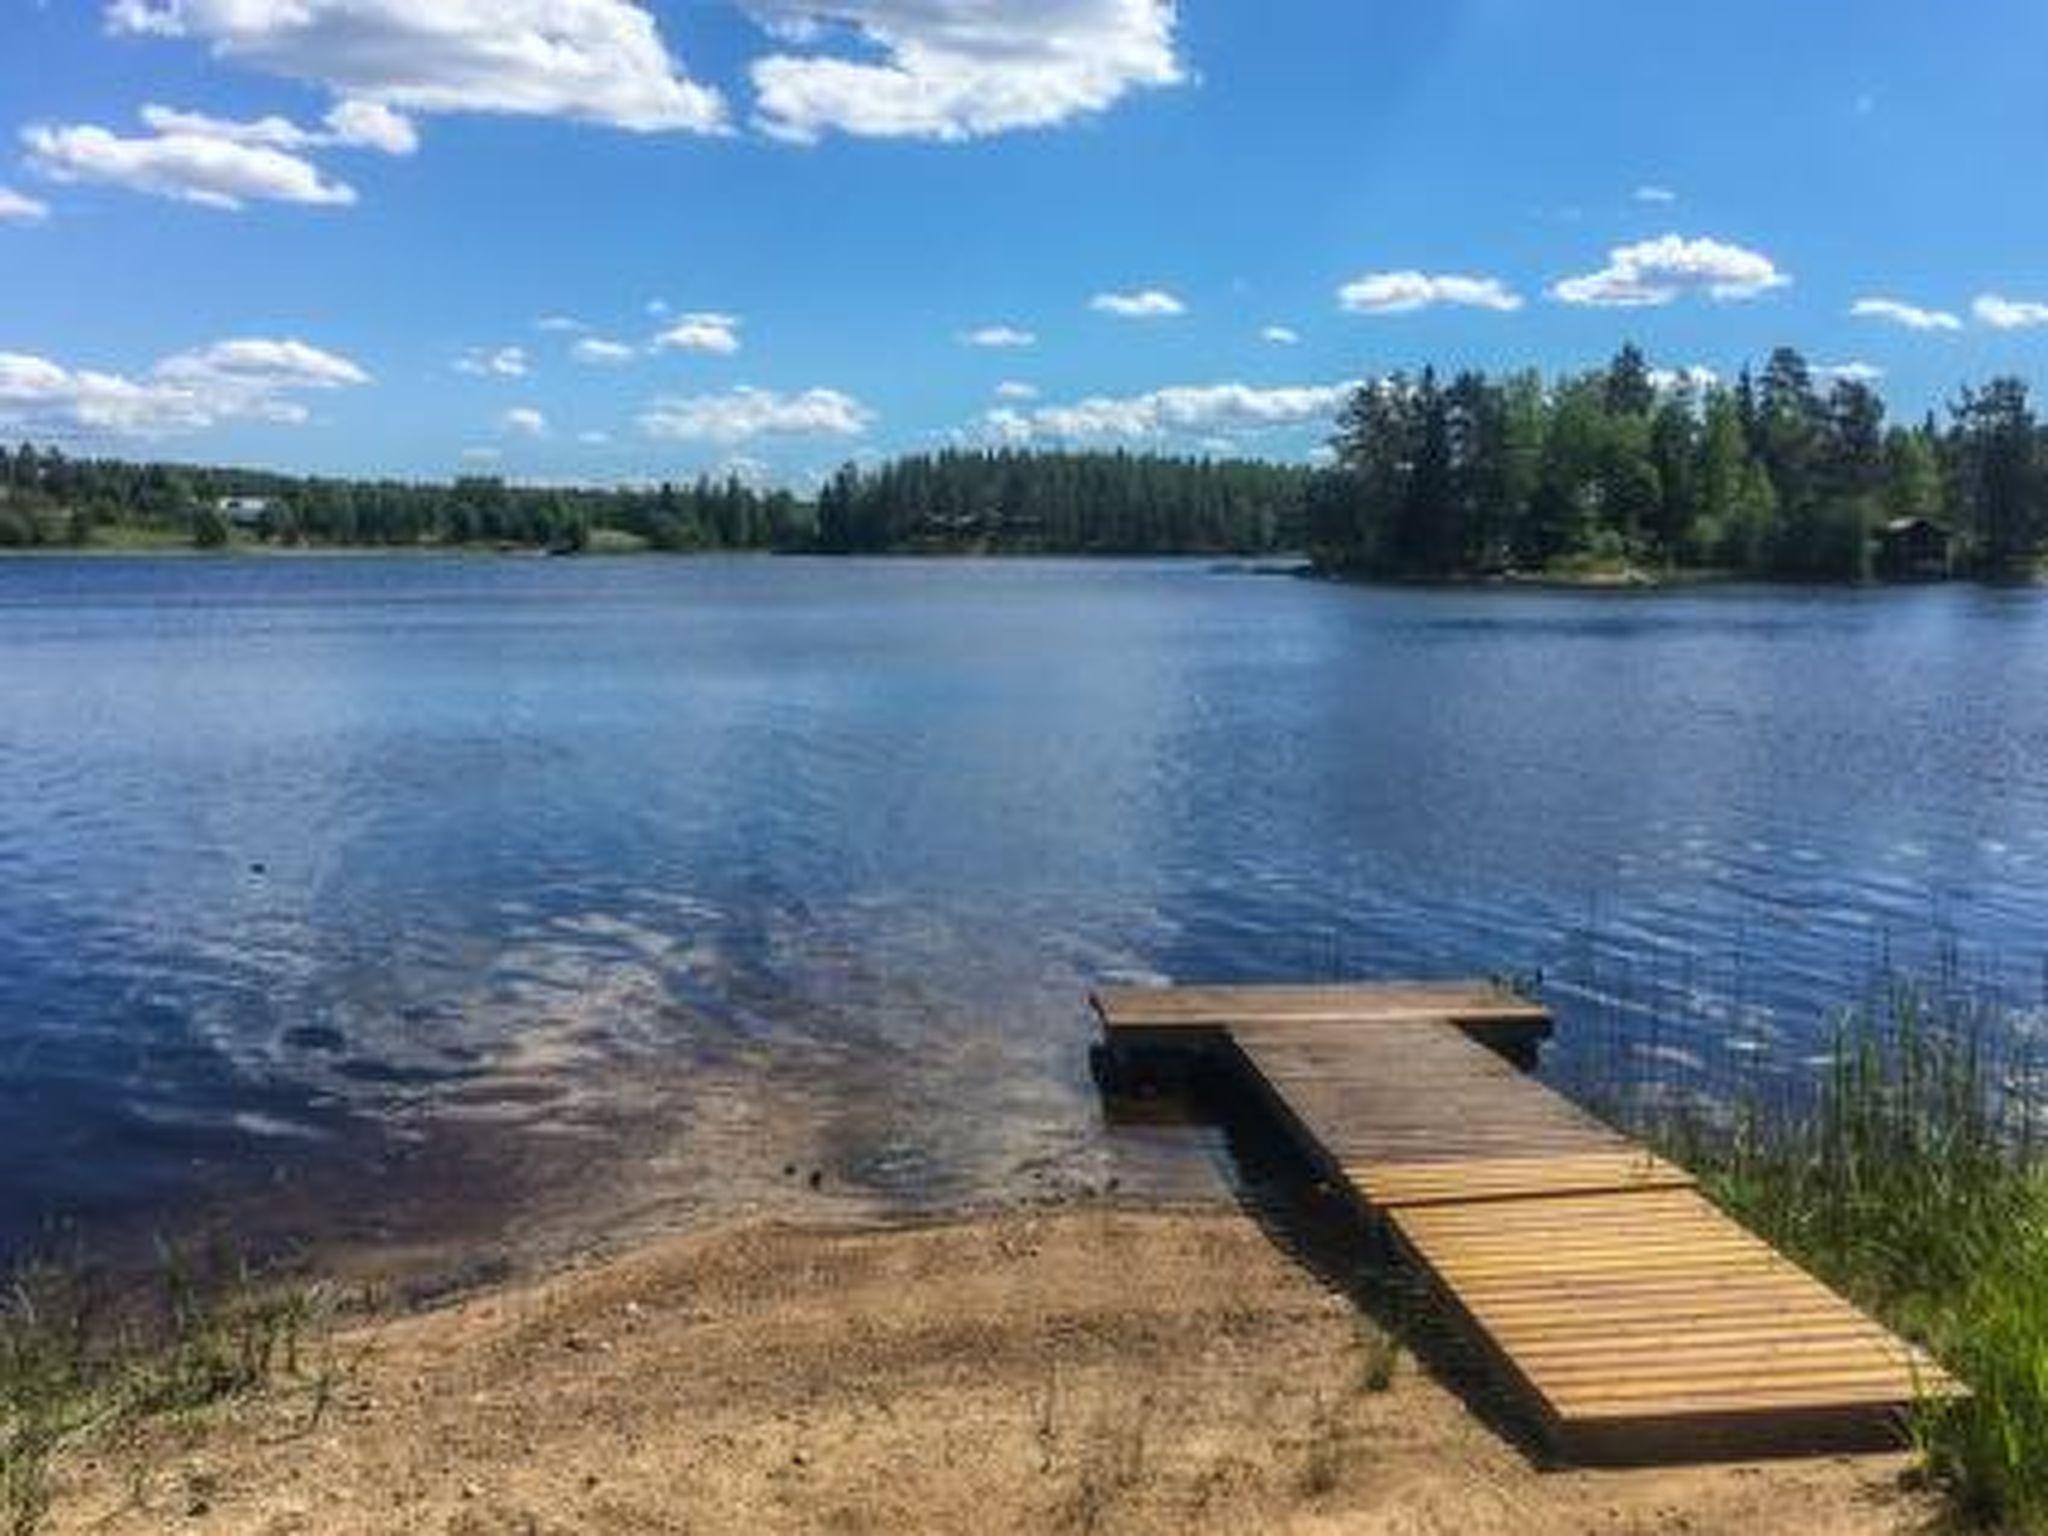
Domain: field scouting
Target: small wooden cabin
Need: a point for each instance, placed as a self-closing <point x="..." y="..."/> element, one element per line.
<point x="1914" y="549"/>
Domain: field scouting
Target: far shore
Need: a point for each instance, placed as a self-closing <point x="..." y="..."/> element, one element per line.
<point x="1595" y="579"/>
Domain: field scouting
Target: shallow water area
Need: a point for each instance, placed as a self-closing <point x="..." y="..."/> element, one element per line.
<point x="403" y="901"/>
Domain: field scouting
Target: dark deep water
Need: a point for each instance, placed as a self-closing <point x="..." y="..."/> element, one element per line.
<point x="387" y="900"/>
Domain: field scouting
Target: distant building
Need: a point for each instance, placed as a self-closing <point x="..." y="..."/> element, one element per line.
<point x="243" y="511"/>
<point x="1914" y="549"/>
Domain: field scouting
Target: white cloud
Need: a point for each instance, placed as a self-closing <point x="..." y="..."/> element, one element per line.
<point x="20" y="208"/>
<point x="596" y="60"/>
<point x="751" y="472"/>
<point x="350" y="125"/>
<point x="2005" y="314"/>
<point x="954" y="69"/>
<point x="1193" y="410"/>
<point x="1911" y="316"/>
<point x="524" y="421"/>
<point x="1654" y="194"/>
<point x="1654" y="272"/>
<point x="1400" y="293"/>
<point x="482" y="455"/>
<point x="1281" y="335"/>
<point x="744" y="414"/>
<point x="372" y="125"/>
<point x="1698" y="376"/>
<point x="246" y="378"/>
<point x="498" y="363"/>
<point x="702" y="332"/>
<point x="1847" y="373"/>
<point x="560" y="325"/>
<point x="998" y="336"/>
<point x="595" y="437"/>
<point x="1146" y="304"/>
<point x="1015" y="389"/>
<point x="600" y="352"/>
<point x="190" y="166"/>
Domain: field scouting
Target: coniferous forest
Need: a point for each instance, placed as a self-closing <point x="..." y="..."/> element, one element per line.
<point x="1774" y="475"/>
<point x="1779" y="474"/>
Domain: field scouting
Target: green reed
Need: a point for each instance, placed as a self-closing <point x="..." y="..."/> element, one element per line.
<point x="1910" y="1175"/>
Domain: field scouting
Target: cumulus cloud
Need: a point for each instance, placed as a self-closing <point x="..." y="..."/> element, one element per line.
<point x="741" y="415"/>
<point x="20" y="208"/>
<point x="1203" y="410"/>
<point x="2005" y="314"/>
<point x="1911" y="316"/>
<point x="1654" y="194"/>
<point x="495" y="363"/>
<point x="954" y="69"/>
<point x="372" y="125"/>
<point x="596" y="60"/>
<point x="350" y="125"/>
<point x="524" y="421"/>
<point x="1281" y="335"/>
<point x="1660" y="271"/>
<point x="1847" y="373"/>
<point x="1145" y="304"/>
<point x="998" y="336"/>
<point x="1397" y="293"/>
<point x="560" y="325"/>
<point x="701" y="332"/>
<point x="245" y="378"/>
<point x="601" y="352"/>
<point x="1400" y="293"/>
<point x="185" y="164"/>
<point x="1015" y="389"/>
<point x="1670" y="380"/>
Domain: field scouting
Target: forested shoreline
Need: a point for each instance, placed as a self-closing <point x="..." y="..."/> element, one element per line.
<point x="960" y="501"/>
<point x="1620" y="470"/>
<point x="1624" y="468"/>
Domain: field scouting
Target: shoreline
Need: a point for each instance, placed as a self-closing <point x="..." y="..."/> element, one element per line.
<point x="1092" y="1366"/>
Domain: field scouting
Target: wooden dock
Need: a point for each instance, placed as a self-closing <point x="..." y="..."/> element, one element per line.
<point x="1632" y="1318"/>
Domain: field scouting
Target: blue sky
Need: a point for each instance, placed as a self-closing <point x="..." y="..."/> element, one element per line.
<point x="772" y="234"/>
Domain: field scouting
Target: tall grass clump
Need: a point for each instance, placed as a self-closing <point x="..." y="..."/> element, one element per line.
<point x="80" y="1354"/>
<point x="1911" y="1178"/>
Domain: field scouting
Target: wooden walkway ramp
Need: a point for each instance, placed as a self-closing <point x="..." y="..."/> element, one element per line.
<point x="1634" y="1319"/>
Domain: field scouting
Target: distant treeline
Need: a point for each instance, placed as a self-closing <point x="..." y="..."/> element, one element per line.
<point x="1009" y="501"/>
<point x="1070" y="503"/>
<point x="1773" y="475"/>
<point x="47" y="498"/>
<point x="1619" y="468"/>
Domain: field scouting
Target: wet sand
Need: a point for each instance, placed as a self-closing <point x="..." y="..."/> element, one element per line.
<point x="1087" y="1368"/>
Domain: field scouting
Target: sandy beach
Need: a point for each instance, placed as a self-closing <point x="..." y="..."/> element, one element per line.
<point x="1092" y="1368"/>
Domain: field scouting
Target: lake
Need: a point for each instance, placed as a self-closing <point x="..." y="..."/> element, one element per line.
<point x="401" y="901"/>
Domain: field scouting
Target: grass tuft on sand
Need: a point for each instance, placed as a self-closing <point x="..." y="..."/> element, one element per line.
<point x="78" y="1357"/>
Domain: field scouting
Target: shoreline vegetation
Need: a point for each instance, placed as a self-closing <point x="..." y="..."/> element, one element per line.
<point x="1624" y="475"/>
<point x="1910" y="1176"/>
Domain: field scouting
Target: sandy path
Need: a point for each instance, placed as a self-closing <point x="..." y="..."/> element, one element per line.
<point x="1090" y="1370"/>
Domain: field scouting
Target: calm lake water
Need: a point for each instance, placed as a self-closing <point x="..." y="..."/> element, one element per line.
<point x="401" y="900"/>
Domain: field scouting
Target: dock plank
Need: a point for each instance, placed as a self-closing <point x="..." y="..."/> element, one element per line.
<point x="1423" y="1116"/>
<point x="1636" y="1320"/>
<point x="1213" y="1007"/>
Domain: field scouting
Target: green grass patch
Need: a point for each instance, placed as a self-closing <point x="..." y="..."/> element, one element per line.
<point x="82" y="1355"/>
<point x="1912" y="1180"/>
